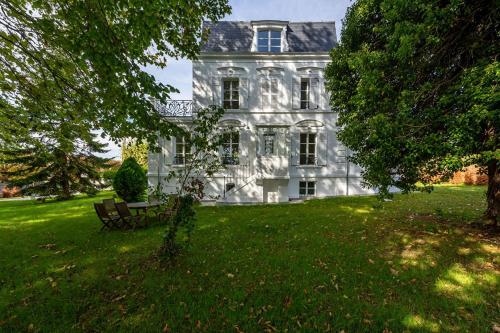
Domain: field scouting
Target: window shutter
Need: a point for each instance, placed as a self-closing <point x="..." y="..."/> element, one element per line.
<point x="243" y="92"/>
<point x="282" y="91"/>
<point x="315" y="94"/>
<point x="168" y="151"/>
<point x="264" y="93"/>
<point x="217" y="92"/>
<point x="322" y="147"/>
<point x="296" y="93"/>
<point x="295" y="146"/>
<point x="243" y="145"/>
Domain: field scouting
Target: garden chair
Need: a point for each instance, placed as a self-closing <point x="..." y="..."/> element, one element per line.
<point x="109" y="204"/>
<point x="128" y="219"/>
<point x="108" y="221"/>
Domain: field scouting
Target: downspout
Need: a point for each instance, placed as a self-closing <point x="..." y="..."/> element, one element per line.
<point x="347" y="173"/>
<point x="159" y="162"/>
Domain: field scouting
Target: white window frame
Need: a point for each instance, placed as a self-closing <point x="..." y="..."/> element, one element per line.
<point x="273" y="136"/>
<point x="307" y="185"/>
<point x="230" y="150"/>
<point x="268" y="94"/>
<point x="182" y="154"/>
<point x="307" y="153"/>
<point x="234" y="87"/>
<point x="269" y="39"/>
<point x="307" y="93"/>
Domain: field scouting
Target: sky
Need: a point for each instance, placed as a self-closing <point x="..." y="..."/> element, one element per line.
<point x="178" y="73"/>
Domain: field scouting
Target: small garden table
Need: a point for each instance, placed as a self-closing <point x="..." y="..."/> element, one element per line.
<point x="144" y="206"/>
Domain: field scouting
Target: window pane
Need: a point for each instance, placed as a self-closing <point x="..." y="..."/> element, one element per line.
<point x="227" y="105"/>
<point x="227" y="84"/>
<point x="235" y="105"/>
<point x="274" y="86"/>
<point x="310" y="191"/>
<point x="275" y="49"/>
<point x="310" y="160"/>
<point x="312" y="137"/>
<point x="274" y="100"/>
<point x="263" y="34"/>
<point x="263" y="48"/>
<point x="303" y="138"/>
<point x="234" y="95"/>
<point x="310" y="184"/>
<point x="302" y="191"/>
<point x="275" y="34"/>
<point x="276" y="42"/>
<point x="312" y="148"/>
<point x="304" y="83"/>
<point x="227" y="95"/>
<point x="303" y="159"/>
<point x="303" y="105"/>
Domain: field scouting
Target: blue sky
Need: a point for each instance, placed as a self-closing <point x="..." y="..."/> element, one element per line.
<point x="178" y="72"/>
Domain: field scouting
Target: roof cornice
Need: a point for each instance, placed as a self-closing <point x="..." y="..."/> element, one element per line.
<point x="265" y="55"/>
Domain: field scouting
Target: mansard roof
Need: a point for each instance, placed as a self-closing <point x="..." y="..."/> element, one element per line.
<point x="237" y="36"/>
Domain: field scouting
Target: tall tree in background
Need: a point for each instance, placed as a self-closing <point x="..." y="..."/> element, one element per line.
<point x="137" y="150"/>
<point x="59" y="167"/>
<point x="416" y="87"/>
<point x="93" y="53"/>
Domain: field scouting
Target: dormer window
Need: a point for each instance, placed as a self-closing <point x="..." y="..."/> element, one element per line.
<point x="269" y="40"/>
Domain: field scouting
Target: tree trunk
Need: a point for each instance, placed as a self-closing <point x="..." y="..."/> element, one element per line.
<point x="493" y="193"/>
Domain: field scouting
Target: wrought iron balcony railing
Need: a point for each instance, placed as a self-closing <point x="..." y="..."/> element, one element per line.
<point x="175" y="108"/>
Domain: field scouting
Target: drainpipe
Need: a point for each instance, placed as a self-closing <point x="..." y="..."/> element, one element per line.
<point x="224" y="188"/>
<point x="159" y="162"/>
<point x="347" y="173"/>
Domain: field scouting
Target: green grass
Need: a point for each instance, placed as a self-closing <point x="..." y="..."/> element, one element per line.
<point x="338" y="264"/>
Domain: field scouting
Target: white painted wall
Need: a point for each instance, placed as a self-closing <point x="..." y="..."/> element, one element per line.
<point x="330" y="177"/>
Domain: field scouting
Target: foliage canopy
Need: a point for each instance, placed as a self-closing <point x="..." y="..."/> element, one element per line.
<point x="416" y="87"/>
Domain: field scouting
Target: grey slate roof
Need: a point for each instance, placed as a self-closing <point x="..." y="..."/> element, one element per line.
<point x="236" y="36"/>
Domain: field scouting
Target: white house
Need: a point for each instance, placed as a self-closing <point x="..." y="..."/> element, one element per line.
<point x="281" y="141"/>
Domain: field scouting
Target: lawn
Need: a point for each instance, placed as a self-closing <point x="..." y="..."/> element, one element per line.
<point x="345" y="263"/>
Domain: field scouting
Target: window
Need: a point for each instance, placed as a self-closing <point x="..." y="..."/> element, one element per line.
<point x="182" y="150"/>
<point x="269" y="139"/>
<point x="231" y="94"/>
<point x="307" y="189"/>
<point x="269" y="41"/>
<point x="305" y="93"/>
<point x="229" y="186"/>
<point x="269" y="93"/>
<point x="307" y="149"/>
<point x="230" y="148"/>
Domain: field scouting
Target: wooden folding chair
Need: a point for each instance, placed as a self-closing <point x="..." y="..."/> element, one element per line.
<point x="108" y="221"/>
<point x="109" y="204"/>
<point x="129" y="219"/>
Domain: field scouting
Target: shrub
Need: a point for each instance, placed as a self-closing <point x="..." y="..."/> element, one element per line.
<point x="130" y="181"/>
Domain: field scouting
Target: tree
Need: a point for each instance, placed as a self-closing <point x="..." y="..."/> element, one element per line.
<point x="416" y="87"/>
<point x="137" y="150"/>
<point x="203" y="138"/>
<point x="130" y="182"/>
<point x="59" y="167"/>
<point x="92" y="55"/>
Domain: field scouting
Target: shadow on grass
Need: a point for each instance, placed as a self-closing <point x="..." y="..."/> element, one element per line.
<point x="323" y="265"/>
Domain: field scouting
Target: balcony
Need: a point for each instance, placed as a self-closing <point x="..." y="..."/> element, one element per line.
<point x="272" y="167"/>
<point x="175" y="108"/>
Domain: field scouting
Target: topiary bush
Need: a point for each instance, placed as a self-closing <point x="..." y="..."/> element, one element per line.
<point x="130" y="182"/>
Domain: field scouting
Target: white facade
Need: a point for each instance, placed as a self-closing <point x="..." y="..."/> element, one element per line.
<point x="287" y="146"/>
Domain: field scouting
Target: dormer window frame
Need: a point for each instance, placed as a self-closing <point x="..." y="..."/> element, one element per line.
<point x="269" y="38"/>
<point x="270" y="26"/>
